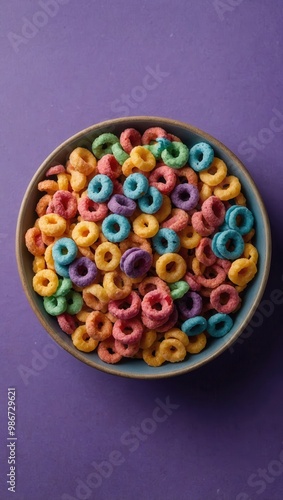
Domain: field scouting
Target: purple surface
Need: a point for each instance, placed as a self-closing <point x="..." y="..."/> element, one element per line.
<point x="214" y="64"/>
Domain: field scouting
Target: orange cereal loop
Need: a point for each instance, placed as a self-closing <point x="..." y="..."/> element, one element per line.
<point x="63" y="181"/>
<point x="83" y="161"/>
<point x="45" y="282"/>
<point x="240" y="200"/>
<point x="172" y="350"/>
<point x="86" y="252"/>
<point x="34" y="241"/>
<point x="147" y="339"/>
<point x="189" y="238"/>
<point x="43" y="204"/>
<point x="187" y="174"/>
<point x="205" y="191"/>
<point x="82" y="341"/>
<point x="152" y="356"/>
<point x="143" y="159"/>
<point x="134" y="240"/>
<point x="196" y="343"/>
<point x="164" y="210"/>
<point x="83" y="314"/>
<point x="111" y="317"/>
<point x="175" y="333"/>
<point x="215" y="174"/>
<point x="249" y="236"/>
<point x="48" y="240"/>
<point x="171" y="267"/>
<point x="49" y="257"/>
<point x="145" y="226"/>
<point x="48" y="185"/>
<point x="78" y="181"/>
<point x="117" y="285"/>
<point x="250" y="252"/>
<point x="98" y="326"/>
<point x="52" y="225"/>
<point x="85" y="233"/>
<point x="242" y="271"/>
<point x="229" y="188"/>
<point x="38" y="263"/>
<point x="197" y="267"/>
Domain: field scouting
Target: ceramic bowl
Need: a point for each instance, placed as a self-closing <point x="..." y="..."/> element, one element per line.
<point x="136" y="368"/>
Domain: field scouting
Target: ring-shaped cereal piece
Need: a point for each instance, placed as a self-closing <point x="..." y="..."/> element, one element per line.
<point x="43" y="204"/>
<point x="230" y="244"/>
<point x="127" y="351"/>
<point x="178" y="289"/>
<point x="128" y="332"/>
<point x="52" y="225"/>
<point x="83" y="161"/>
<point x="134" y="240"/>
<point x="201" y="156"/>
<point x="229" y="188"/>
<point x="74" y="302"/>
<point x="200" y="225"/>
<point x="224" y="299"/>
<point x="145" y="226"/>
<point x="108" y="165"/>
<point x="129" y="139"/>
<point x="163" y="178"/>
<point x="212" y="277"/>
<point x="189" y="305"/>
<point x="64" y="204"/>
<point x="192" y="282"/>
<point x="107" y="256"/>
<point x="166" y="241"/>
<point x="64" y="287"/>
<point x="83" y="272"/>
<point x="135" y="186"/>
<point x="196" y="344"/>
<point x="45" y="282"/>
<point x="150" y="202"/>
<point x="120" y="155"/>
<point x="194" y="326"/>
<point x="34" y="241"/>
<point x="102" y="145"/>
<point x="82" y="341"/>
<point x="85" y="233"/>
<point x="176" y="155"/>
<point x="239" y="218"/>
<point x="92" y="211"/>
<point x="54" y="305"/>
<point x="197" y="267"/>
<point x="147" y="339"/>
<point x="95" y="297"/>
<point x="176" y="333"/>
<point x="178" y="220"/>
<point x="135" y="262"/>
<point x="219" y="325"/>
<point x="100" y="188"/>
<point x="116" y="228"/>
<point x="143" y="159"/>
<point x="164" y="210"/>
<point x="205" y="192"/>
<point x="242" y="271"/>
<point x="213" y="211"/>
<point x="170" y="322"/>
<point x="204" y="252"/>
<point x="48" y="185"/>
<point x="152" y="355"/>
<point x="250" y="252"/>
<point x="129" y="168"/>
<point x="106" y="351"/>
<point x="122" y="205"/>
<point x="171" y="267"/>
<point x="157" y="298"/>
<point x="55" y="170"/>
<point x="152" y="283"/>
<point x="126" y="308"/>
<point x="152" y="133"/>
<point x="172" y="350"/>
<point x="185" y="196"/>
<point x="189" y="237"/>
<point x="38" y="263"/>
<point x="215" y="174"/>
<point x="187" y="174"/>
<point x="98" y="326"/>
<point x="67" y="323"/>
<point x="64" y="251"/>
<point x="117" y="285"/>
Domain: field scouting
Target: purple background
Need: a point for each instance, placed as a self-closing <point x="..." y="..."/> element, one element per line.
<point x="221" y="70"/>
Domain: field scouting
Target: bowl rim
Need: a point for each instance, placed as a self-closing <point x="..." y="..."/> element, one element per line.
<point x="135" y="121"/>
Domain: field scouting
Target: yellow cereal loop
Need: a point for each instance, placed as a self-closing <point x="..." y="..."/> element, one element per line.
<point x="78" y="181"/>
<point x="63" y="181"/>
<point x="171" y="267"/>
<point x="196" y="343"/>
<point x="148" y="338"/>
<point x="49" y="257"/>
<point x="107" y="256"/>
<point x="85" y="233"/>
<point x="240" y="200"/>
<point x="145" y="226"/>
<point x="175" y="333"/>
<point x="117" y="285"/>
<point x="152" y="356"/>
<point x="129" y="168"/>
<point x="250" y="252"/>
<point x="215" y="174"/>
<point x="242" y="271"/>
<point x="45" y="282"/>
<point x="82" y="315"/>
<point x="83" y="161"/>
<point x="229" y="188"/>
<point x="52" y="225"/>
<point x="38" y="263"/>
<point x="205" y="191"/>
<point x="172" y="350"/>
<point x="197" y="267"/>
<point x="164" y="210"/>
<point x="189" y="238"/>
<point x="82" y="341"/>
<point x="143" y="159"/>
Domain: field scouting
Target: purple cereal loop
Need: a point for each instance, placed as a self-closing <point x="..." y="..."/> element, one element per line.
<point x="82" y="272"/>
<point x="121" y="205"/>
<point x="189" y="305"/>
<point x="185" y="196"/>
<point x="135" y="263"/>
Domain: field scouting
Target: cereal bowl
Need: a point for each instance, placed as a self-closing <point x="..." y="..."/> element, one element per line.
<point x="133" y="366"/>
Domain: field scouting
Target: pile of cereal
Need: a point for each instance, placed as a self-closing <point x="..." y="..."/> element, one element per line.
<point x="142" y="246"/>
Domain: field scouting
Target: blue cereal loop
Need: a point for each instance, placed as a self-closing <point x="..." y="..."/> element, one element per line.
<point x="151" y="201"/>
<point x="201" y="156"/>
<point x="64" y="251"/>
<point x="194" y="326"/>
<point x="246" y="219"/>
<point x="234" y="238"/>
<point x="100" y="188"/>
<point x="214" y="247"/>
<point x="116" y="228"/>
<point x="61" y="270"/>
<point x="135" y="186"/>
<point x="219" y="324"/>
<point x="166" y="241"/>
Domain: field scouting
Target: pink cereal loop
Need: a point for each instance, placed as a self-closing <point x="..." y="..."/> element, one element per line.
<point x="226" y="264"/>
<point x="128" y="332"/>
<point x="172" y="137"/>
<point x="188" y="174"/>
<point x="129" y="139"/>
<point x="57" y="169"/>
<point x="178" y="220"/>
<point x="213" y="211"/>
<point x="126" y="308"/>
<point x="191" y="280"/>
<point x="154" y="298"/>
<point x="212" y="277"/>
<point x="65" y="204"/>
<point x="118" y="187"/>
<point x="106" y="351"/>
<point x="216" y="299"/>
<point x="126" y="350"/>
<point x="152" y="283"/>
<point x="108" y="165"/>
<point x="163" y="178"/>
<point x="171" y="321"/>
<point x="152" y="133"/>
<point x="92" y="211"/>
<point x="153" y="324"/>
<point x="67" y="323"/>
<point x="204" y="252"/>
<point x="200" y="225"/>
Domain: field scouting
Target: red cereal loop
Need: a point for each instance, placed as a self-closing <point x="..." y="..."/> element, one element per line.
<point x="117" y="187"/>
<point x="128" y="332"/>
<point x="126" y="308"/>
<point x="225" y="299"/>
<point x="213" y="211"/>
<point x="152" y="283"/>
<point x="129" y="139"/>
<point x="204" y="252"/>
<point x="173" y="138"/>
<point x="152" y="324"/>
<point x="192" y="282"/>
<point x="152" y="133"/>
<point x="187" y="174"/>
<point x="106" y="351"/>
<point x="157" y="305"/>
<point x="212" y="277"/>
<point x="64" y="204"/>
<point x="92" y="211"/>
<point x="67" y="323"/>
<point x="178" y="220"/>
<point x="34" y="241"/>
<point x="163" y="178"/>
<point x="200" y="225"/>
<point x="126" y="350"/>
<point x="108" y="165"/>
<point x="226" y="264"/>
<point x="57" y="169"/>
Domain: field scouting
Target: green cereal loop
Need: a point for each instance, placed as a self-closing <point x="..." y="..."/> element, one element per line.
<point x="176" y="155"/>
<point x="119" y="153"/>
<point x="74" y="302"/>
<point x="178" y="289"/>
<point x="55" y="305"/>
<point x="64" y="287"/>
<point x="155" y="149"/>
<point x="102" y="145"/>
